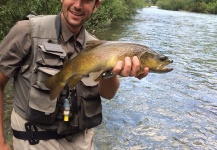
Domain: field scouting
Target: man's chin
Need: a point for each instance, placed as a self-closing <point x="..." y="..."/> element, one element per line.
<point x="76" y="23"/>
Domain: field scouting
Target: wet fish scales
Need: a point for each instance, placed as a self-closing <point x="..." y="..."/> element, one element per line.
<point x="101" y="56"/>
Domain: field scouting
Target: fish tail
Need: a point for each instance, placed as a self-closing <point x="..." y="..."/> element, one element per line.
<point x="53" y="83"/>
<point x="74" y="80"/>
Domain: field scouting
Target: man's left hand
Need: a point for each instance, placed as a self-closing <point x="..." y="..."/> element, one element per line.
<point x="130" y="68"/>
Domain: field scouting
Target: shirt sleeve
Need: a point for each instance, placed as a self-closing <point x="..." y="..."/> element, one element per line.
<point x="14" y="48"/>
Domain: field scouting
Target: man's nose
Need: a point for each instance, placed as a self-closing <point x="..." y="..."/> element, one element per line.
<point x="78" y="4"/>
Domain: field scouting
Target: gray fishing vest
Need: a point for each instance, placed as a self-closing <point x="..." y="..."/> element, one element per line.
<point x="45" y="60"/>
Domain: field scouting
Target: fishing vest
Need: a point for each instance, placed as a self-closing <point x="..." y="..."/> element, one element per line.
<point x="46" y="59"/>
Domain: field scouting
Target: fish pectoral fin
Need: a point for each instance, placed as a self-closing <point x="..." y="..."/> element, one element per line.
<point x="74" y="80"/>
<point x="93" y="43"/>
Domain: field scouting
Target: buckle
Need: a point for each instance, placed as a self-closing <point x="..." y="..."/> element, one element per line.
<point x="31" y="129"/>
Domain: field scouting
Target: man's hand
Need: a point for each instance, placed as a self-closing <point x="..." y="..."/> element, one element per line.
<point x="130" y="68"/>
<point x="108" y="87"/>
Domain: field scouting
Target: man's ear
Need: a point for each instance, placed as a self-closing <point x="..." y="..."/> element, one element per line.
<point x="96" y="5"/>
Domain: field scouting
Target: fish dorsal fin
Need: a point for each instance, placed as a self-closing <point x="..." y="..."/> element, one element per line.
<point x="93" y="43"/>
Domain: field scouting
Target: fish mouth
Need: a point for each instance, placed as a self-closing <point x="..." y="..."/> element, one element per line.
<point x="163" y="68"/>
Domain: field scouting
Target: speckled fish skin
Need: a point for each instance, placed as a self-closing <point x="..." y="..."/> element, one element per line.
<point x="101" y="56"/>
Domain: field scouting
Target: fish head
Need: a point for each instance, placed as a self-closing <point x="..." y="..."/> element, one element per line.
<point x="155" y="62"/>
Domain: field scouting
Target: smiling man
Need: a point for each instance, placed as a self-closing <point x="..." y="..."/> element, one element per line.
<point x="76" y="13"/>
<point x="33" y="51"/>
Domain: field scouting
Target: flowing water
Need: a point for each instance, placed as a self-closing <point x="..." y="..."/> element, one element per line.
<point x="177" y="110"/>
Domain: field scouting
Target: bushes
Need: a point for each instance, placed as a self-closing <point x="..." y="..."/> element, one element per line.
<point x="211" y="8"/>
<point x="202" y="6"/>
<point x="114" y="9"/>
<point x="108" y="11"/>
<point x="11" y="11"/>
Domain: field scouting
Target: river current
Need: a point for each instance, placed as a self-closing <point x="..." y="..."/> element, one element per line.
<point x="176" y="110"/>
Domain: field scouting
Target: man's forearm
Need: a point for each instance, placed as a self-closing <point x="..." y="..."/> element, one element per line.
<point x="3" y="81"/>
<point x="1" y="117"/>
<point x="109" y="87"/>
<point x="3" y="144"/>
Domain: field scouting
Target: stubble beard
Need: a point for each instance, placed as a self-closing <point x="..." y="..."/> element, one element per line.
<point x="74" y="23"/>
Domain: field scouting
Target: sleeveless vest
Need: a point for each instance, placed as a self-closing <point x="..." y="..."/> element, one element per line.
<point x="45" y="60"/>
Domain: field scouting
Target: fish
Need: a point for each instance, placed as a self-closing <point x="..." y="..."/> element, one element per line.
<point x="100" y="56"/>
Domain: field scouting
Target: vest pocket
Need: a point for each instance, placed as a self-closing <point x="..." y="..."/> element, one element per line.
<point x="91" y="107"/>
<point x="41" y="108"/>
<point x="50" y="54"/>
<point x="90" y="120"/>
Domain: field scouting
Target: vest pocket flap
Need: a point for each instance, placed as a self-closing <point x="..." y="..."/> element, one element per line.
<point x="49" y="71"/>
<point x="54" y="49"/>
<point x="43" y="73"/>
<point x="92" y="107"/>
<point x="51" y="58"/>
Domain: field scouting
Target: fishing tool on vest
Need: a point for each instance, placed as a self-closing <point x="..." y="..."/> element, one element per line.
<point x="66" y="111"/>
<point x="70" y="107"/>
<point x="67" y="106"/>
<point x="69" y="120"/>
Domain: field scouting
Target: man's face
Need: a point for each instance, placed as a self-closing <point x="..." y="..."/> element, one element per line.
<point x="76" y="12"/>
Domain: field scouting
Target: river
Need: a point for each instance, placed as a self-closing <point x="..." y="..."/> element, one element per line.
<point x="176" y="110"/>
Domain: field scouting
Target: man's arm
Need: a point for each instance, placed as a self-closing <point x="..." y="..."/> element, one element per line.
<point x="3" y="81"/>
<point x="109" y="87"/>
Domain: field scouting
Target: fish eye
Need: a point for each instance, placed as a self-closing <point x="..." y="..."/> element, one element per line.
<point x="163" y="58"/>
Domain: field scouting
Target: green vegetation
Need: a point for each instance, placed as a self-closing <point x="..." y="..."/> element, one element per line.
<point x="11" y="11"/>
<point x="201" y="6"/>
<point x="111" y="10"/>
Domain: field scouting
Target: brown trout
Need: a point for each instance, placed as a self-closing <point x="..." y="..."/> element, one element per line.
<point x="100" y="56"/>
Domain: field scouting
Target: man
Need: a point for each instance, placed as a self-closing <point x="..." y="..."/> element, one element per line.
<point x="31" y="51"/>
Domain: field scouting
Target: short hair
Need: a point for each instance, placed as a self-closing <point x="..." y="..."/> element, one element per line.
<point x="96" y="1"/>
